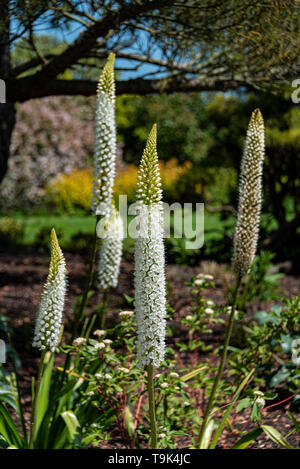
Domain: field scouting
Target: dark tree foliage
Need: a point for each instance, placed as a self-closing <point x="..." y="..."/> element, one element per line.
<point x="181" y="45"/>
<point x="188" y="45"/>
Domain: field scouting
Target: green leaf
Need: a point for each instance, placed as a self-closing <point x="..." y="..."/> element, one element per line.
<point x="263" y="317"/>
<point x="297" y="424"/>
<point x="255" y="413"/>
<point x="192" y="374"/>
<point x="8" y="428"/>
<point x="243" y="404"/>
<point x="279" y="378"/>
<point x="3" y="443"/>
<point x="43" y="397"/>
<point x="207" y="434"/>
<point x="247" y="439"/>
<point x="7" y="396"/>
<point x="275" y="436"/>
<point x="64" y="430"/>
<point x="65" y="389"/>
<point x="71" y="422"/>
<point x="129" y="422"/>
<point x="129" y="299"/>
<point x="225" y="417"/>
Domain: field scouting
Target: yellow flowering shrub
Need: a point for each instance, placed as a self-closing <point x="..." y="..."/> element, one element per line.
<point x="11" y="231"/>
<point x="70" y="193"/>
<point x="171" y="172"/>
<point x="125" y="183"/>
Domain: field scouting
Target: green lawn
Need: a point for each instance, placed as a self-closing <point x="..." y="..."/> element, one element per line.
<point x="68" y="226"/>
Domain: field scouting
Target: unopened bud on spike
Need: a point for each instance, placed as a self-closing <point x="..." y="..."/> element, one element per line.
<point x="250" y="196"/>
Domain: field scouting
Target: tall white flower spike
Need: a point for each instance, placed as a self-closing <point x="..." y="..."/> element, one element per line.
<point x="105" y="141"/>
<point x="250" y="196"/>
<point x="111" y="250"/>
<point x="49" y="320"/>
<point x="150" y="293"/>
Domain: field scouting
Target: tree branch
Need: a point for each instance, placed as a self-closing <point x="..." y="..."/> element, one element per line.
<point x="104" y="27"/>
<point x="16" y="92"/>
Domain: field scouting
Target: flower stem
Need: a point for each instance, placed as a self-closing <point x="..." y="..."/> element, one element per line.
<point x="35" y="399"/>
<point x="80" y="313"/>
<point x="81" y="310"/>
<point x="153" y="441"/>
<point x="223" y="360"/>
<point x="104" y="308"/>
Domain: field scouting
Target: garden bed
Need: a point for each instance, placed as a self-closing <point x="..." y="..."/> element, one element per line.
<point x="21" y="281"/>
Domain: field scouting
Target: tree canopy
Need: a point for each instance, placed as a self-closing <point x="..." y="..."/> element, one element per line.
<point x="181" y="45"/>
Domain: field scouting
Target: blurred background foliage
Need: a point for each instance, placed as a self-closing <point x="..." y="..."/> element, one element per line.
<point x="201" y="139"/>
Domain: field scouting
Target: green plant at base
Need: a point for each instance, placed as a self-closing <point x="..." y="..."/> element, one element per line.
<point x="270" y="343"/>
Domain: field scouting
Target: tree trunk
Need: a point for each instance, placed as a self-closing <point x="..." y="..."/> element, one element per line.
<point x="7" y="110"/>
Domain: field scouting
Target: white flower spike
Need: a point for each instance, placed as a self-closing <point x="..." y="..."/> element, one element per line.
<point x="111" y="250"/>
<point x="105" y="141"/>
<point x="250" y="196"/>
<point x="49" y="320"/>
<point x="150" y="294"/>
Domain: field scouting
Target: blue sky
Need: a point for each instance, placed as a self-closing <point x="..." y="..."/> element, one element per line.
<point x="75" y="28"/>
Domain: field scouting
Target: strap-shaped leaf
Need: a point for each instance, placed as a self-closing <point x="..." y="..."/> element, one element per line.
<point x="8" y="428"/>
<point x="275" y="436"/>
<point x="207" y="434"/>
<point x="245" y="441"/>
<point x="235" y="398"/>
<point x="43" y="397"/>
<point x="71" y="423"/>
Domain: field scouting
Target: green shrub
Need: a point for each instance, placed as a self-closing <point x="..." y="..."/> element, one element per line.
<point x="11" y="231"/>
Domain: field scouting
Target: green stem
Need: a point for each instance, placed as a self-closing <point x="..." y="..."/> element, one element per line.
<point x="222" y="362"/>
<point x="104" y="308"/>
<point x="150" y="382"/>
<point x="35" y="399"/>
<point x="81" y="310"/>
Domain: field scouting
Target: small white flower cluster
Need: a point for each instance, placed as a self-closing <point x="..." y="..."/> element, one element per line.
<point x="259" y="399"/>
<point x="49" y="320"/>
<point x="202" y="278"/>
<point x="105" y="141"/>
<point x="150" y="293"/>
<point x="229" y="309"/>
<point x="107" y="341"/>
<point x="126" y="314"/>
<point x="99" y="332"/>
<point x="250" y="196"/>
<point x="111" y="251"/>
<point x="79" y="341"/>
<point x="100" y="346"/>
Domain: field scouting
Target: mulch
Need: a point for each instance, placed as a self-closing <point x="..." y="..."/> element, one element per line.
<point x="21" y="281"/>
